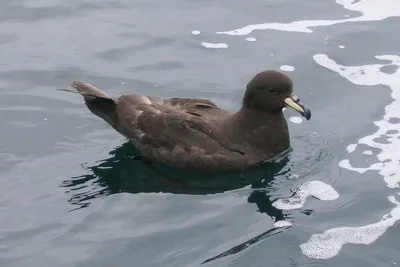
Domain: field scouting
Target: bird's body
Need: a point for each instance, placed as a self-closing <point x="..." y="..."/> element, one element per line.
<point x="191" y="133"/>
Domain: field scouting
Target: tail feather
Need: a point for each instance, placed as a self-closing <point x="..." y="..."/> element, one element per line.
<point x="86" y="88"/>
<point x="97" y="101"/>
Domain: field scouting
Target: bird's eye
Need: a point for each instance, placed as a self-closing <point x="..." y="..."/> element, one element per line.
<point x="272" y="90"/>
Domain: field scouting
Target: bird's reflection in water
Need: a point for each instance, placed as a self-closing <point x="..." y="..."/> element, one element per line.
<point x="121" y="173"/>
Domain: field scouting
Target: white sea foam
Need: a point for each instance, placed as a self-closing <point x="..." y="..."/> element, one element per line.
<point x="368" y="152"/>
<point x="195" y="32"/>
<point x="282" y="223"/>
<point x="214" y="45"/>
<point x="317" y="189"/>
<point x="351" y="148"/>
<point x="371" y="75"/>
<point x="287" y="68"/>
<point x="251" y="39"/>
<point x="329" y="243"/>
<point x="296" y="119"/>
<point x="341" y="46"/>
<point x="371" y="10"/>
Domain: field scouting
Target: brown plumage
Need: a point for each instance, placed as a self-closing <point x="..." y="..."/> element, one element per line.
<point x="196" y="134"/>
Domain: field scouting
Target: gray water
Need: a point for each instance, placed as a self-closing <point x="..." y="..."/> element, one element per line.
<point x="70" y="194"/>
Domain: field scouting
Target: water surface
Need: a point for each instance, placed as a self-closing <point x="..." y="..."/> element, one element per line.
<point x="70" y="194"/>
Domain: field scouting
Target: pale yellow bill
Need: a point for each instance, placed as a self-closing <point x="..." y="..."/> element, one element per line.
<point x="290" y="103"/>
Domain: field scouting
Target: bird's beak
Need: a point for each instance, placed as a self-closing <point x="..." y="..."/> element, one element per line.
<point x="294" y="103"/>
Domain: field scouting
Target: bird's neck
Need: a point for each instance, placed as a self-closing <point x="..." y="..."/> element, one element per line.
<point x="262" y="130"/>
<point x="252" y="118"/>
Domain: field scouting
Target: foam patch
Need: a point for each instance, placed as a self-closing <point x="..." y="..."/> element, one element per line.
<point x="368" y="152"/>
<point x="371" y="75"/>
<point x="279" y="224"/>
<point x="296" y="120"/>
<point x="317" y="189"/>
<point x="214" y="45"/>
<point x="287" y="68"/>
<point x="329" y="243"/>
<point x="371" y="10"/>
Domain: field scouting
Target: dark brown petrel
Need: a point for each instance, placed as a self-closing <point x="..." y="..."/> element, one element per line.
<point x="196" y="134"/>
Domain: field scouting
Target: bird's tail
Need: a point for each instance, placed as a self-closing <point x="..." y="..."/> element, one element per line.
<point x="97" y="101"/>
